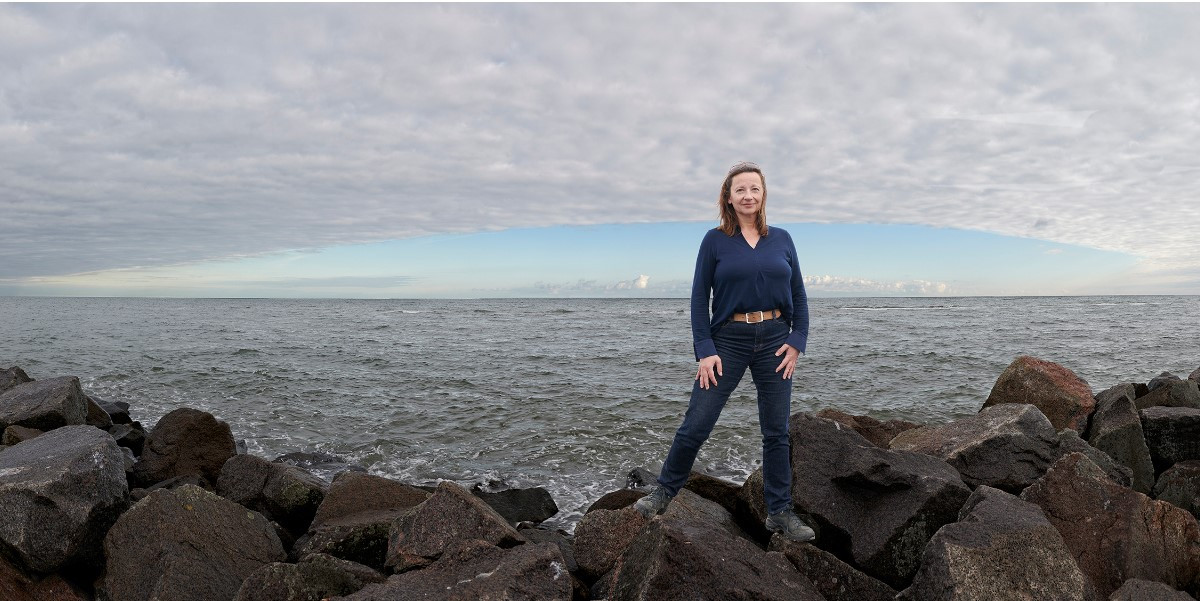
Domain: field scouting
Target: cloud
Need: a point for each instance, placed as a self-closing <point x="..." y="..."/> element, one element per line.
<point x="157" y="134"/>
<point x="832" y="284"/>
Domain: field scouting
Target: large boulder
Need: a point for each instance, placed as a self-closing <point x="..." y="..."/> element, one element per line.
<point x="1180" y="486"/>
<point x="1160" y="380"/>
<point x="1116" y="533"/>
<point x="60" y="492"/>
<point x="875" y="507"/>
<point x="520" y="504"/>
<point x="1173" y="393"/>
<point x="1172" y="434"/>
<point x="356" y="515"/>
<point x="1064" y="398"/>
<point x="185" y="441"/>
<point x="1148" y="590"/>
<point x="286" y="494"/>
<point x="14" y="376"/>
<point x="833" y="578"/>
<point x="602" y="536"/>
<point x="472" y="570"/>
<point x="44" y="404"/>
<point x="451" y="514"/>
<point x="186" y="544"/>
<point x="879" y="433"/>
<point x="1002" y="548"/>
<point x="314" y="578"/>
<point x="1117" y="430"/>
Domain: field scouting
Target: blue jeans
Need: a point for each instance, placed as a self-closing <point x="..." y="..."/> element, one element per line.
<point x="741" y="345"/>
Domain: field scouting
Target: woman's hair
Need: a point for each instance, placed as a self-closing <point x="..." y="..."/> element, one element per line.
<point x="729" y="220"/>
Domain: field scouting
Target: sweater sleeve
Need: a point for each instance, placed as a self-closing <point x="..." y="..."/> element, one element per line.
<point x="798" y="339"/>
<point x="701" y="289"/>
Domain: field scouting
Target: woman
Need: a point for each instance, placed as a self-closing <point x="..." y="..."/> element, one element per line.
<point x="759" y="321"/>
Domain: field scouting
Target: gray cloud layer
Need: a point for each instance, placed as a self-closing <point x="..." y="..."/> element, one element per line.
<point x="154" y="134"/>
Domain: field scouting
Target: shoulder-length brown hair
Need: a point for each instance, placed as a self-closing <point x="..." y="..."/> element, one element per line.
<point x="729" y="220"/>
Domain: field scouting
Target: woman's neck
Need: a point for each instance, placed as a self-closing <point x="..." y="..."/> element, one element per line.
<point x="747" y="225"/>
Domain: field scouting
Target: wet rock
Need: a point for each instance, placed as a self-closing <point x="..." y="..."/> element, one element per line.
<point x="17" y="586"/>
<point x="44" y="404"/>
<point x="879" y="433"/>
<point x="314" y="578"/>
<point x="1117" y="430"/>
<point x="185" y="441"/>
<point x="520" y="504"/>
<point x="1172" y="434"/>
<point x="1001" y="548"/>
<point x="1116" y="533"/>
<point x="602" y="536"/>
<point x="96" y="415"/>
<point x="323" y="465"/>
<point x="451" y="514"/>
<point x="1175" y="393"/>
<point x="564" y="541"/>
<point x="721" y="492"/>
<point x="1148" y="590"/>
<point x="131" y="436"/>
<point x="472" y="570"/>
<point x="282" y="493"/>
<point x="59" y="493"/>
<point x="186" y="544"/>
<point x="833" y="578"/>
<point x="876" y="506"/>
<point x="14" y="376"/>
<point x="640" y="477"/>
<point x="1163" y="379"/>
<point x="1180" y="486"/>
<point x="1063" y="397"/>
<point x="353" y="520"/>
<point x="18" y="434"/>
<point x="118" y="411"/>
<point x="616" y="499"/>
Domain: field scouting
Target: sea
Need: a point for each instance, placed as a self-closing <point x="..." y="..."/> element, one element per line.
<point x="566" y="394"/>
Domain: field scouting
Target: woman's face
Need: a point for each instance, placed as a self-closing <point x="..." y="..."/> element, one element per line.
<point x="746" y="193"/>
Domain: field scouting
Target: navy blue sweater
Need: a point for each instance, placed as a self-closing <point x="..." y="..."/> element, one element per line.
<point x="743" y="279"/>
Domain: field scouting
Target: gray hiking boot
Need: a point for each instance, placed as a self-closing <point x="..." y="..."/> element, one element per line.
<point x="790" y="525"/>
<point x="654" y="503"/>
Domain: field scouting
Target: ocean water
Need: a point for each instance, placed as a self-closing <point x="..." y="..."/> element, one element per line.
<point x="569" y="394"/>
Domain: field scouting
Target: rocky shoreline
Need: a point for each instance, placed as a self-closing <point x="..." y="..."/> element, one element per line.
<point x="1049" y="492"/>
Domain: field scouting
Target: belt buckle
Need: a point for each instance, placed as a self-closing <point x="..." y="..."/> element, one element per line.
<point x="761" y="317"/>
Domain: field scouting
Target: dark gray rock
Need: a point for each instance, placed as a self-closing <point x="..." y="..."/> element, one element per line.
<point x="323" y="465"/>
<point x="520" y="504"/>
<point x="96" y="415"/>
<point x="451" y="514"/>
<point x="1063" y="397"/>
<point x="1116" y="533"/>
<point x="44" y="404"/>
<point x="1117" y="430"/>
<point x="118" y="411"/>
<point x="283" y="493"/>
<point x="751" y="510"/>
<point x="833" y="578"/>
<point x="1001" y="548"/>
<point x="1163" y="379"/>
<point x="564" y="541"/>
<point x="18" y="434"/>
<point x="602" y="536"/>
<point x="59" y="493"/>
<point x="616" y="499"/>
<point x="131" y="436"/>
<point x="721" y="492"/>
<point x="472" y="570"/>
<point x="314" y="578"/>
<point x="1172" y="434"/>
<point x="1195" y="375"/>
<point x="1180" y="486"/>
<point x="186" y="544"/>
<point x="1070" y="442"/>
<point x="1175" y="393"/>
<point x="15" y="585"/>
<point x="353" y="520"/>
<point x="13" y="376"/>
<point x="1148" y="590"/>
<point x="640" y="477"/>
<point x="137" y="494"/>
<point x="185" y="441"/>
<point x="879" y="433"/>
<point x="875" y="506"/>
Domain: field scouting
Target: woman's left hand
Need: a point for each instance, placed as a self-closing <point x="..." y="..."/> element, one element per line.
<point x="790" y="355"/>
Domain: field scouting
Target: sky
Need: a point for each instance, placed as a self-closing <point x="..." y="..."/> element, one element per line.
<point x="492" y="150"/>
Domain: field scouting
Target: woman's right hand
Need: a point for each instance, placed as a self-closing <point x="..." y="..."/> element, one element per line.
<point x="710" y="368"/>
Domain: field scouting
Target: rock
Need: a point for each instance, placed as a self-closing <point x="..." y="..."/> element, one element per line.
<point x="1063" y="397"/>
<point x="616" y="499"/>
<point x="876" y="506"/>
<point x="451" y="514"/>
<point x="472" y="570"/>
<point x="43" y="404"/>
<point x="751" y="510"/>
<point x="1195" y="375"/>
<point x="1117" y="430"/>
<point x="833" y="578"/>
<point x="283" y="493"/>
<point x="96" y="416"/>
<point x="640" y="477"/>
<point x="879" y="433"/>
<point x="1002" y="548"/>
<point x="520" y="504"/>
<point x="118" y="411"/>
<point x="17" y="586"/>
<point x="1148" y="590"/>
<point x="1160" y="380"/>
<point x="186" y="544"/>
<point x="185" y="441"/>
<point x="138" y="494"/>
<point x="721" y="492"/>
<point x="1172" y="434"/>
<point x="1116" y="533"/>
<point x="60" y="492"/>
<point x="1070" y="442"/>
<point x="323" y="465"/>
<point x="558" y="537"/>
<point x="602" y="536"/>
<point x="18" y="434"/>
<point x="14" y="376"/>
<point x="131" y="436"/>
<point x="1180" y="486"/>
<point x="353" y="520"/>
<point x="1175" y="393"/>
<point x="314" y="578"/>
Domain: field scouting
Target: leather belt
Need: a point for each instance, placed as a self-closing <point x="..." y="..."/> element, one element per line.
<point x="757" y="316"/>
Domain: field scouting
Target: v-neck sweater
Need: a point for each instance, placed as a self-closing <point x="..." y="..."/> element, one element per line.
<point x="741" y="279"/>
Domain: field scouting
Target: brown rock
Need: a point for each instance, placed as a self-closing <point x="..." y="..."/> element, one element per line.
<point x="451" y="514"/>
<point x="617" y="499"/>
<point x="602" y="536"/>
<point x="1063" y="397"/>
<point x="1147" y="590"/>
<point x="13" y="376"/>
<point x="1173" y="393"/>
<point x="283" y="493"/>
<point x="721" y="492"/>
<point x="43" y="404"/>
<point x="185" y="441"/>
<point x="96" y="415"/>
<point x="17" y="586"/>
<point x="879" y="433"/>
<point x="353" y="520"/>
<point x="833" y="578"/>
<point x="18" y="434"/>
<point x="314" y="578"/>
<point x="357" y="492"/>
<point x="1116" y="533"/>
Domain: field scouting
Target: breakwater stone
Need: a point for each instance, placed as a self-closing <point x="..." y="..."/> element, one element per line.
<point x="13" y="376"/>
<point x="60" y="492"/>
<point x="451" y="514"/>
<point x="283" y="493"/>
<point x="1063" y="397"/>
<point x="44" y="404"/>
<point x="1172" y="434"/>
<point x="1117" y="430"/>
<point x="185" y="442"/>
<point x="1172" y="393"/>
